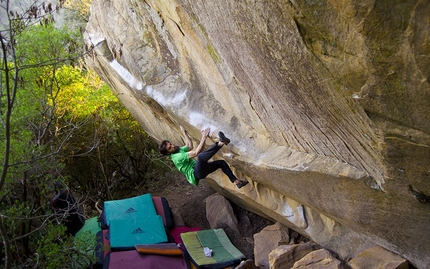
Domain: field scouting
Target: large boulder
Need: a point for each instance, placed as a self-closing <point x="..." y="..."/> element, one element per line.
<point x="220" y="214"/>
<point x="318" y="259"/>
<point x="286" y="256"/>
<point x="326" y="103"/>
<point x="378" y="257"/>
<point x="267" y="240"/>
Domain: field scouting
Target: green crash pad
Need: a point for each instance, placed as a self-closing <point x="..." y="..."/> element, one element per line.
<point x="85" y="239"/>
<point x="224" y="253"/>
<point x="91" y="226"/>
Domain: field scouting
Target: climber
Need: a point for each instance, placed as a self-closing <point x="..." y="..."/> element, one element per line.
<point x="183" y="158"/>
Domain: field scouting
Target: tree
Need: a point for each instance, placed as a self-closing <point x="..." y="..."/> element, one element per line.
<point x="61" y="127"/>
<point x="82" y="7"/>
<point x="24" y="158"/>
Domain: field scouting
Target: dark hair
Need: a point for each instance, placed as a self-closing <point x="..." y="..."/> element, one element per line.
<point x="162" y="147"/>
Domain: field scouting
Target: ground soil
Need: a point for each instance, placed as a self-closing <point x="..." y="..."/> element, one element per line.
<point x="189" y="202"/>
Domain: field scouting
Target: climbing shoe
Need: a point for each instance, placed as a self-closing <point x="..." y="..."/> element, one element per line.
<point x="241" y="184"/>
<point x="223" y="138"/>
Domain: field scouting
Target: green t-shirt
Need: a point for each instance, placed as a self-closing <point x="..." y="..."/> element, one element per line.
<point x="185" y="164"/>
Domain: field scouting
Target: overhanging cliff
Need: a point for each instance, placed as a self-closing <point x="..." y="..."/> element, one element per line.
<point x="327" y="104"/>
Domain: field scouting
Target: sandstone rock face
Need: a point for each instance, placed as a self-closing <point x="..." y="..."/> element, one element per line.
<point x="267" y="240"/>
<point x="286" y="256"/>
<point x="219" y="214"/>
<point x="318" y="259"/>
<point x="377" y="257"/>
<point x="326" y="103"/>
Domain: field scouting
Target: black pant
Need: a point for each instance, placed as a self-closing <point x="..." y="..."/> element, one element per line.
<point x="203" y="167"/>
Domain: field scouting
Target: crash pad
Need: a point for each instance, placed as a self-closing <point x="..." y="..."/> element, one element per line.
<point x="224" y="253"/>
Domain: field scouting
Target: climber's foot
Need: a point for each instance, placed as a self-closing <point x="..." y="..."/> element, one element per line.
<point x="241" y="183"/>
<point x="223" y="138"/>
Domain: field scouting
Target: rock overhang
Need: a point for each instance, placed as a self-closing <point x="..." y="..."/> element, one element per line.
<point x="299" y="133"/>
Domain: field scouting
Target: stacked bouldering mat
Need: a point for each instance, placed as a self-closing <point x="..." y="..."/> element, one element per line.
<point x="125" y="209"/>
<point x="133" y="221"/>
<point x="136" y="234"/>
<point x="163" y="209"/>
<point x="211" y="249"/>
<point x="140" y="220"/>
<point x="139" y="232"/>
<point x="146" y="229"/>
<point x="102" y="247"/>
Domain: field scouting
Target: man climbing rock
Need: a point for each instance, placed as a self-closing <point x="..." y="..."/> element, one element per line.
<point x="183" y="158"/>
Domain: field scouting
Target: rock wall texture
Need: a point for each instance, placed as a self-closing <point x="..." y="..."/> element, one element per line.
<point x="327" y="104"/>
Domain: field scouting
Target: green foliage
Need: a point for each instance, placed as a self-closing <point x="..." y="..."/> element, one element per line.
<point x="50" y="246"/>
<point x="50" y="47"/>
<point x="77" y="97"/>
<point x="82" y="7"/>
<point x="32" y="117"/>
<point x="56" y="249"/>
<point x="30" y="141"/>
<point x="67" y="130"/>
<point x="85" y="245"/>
